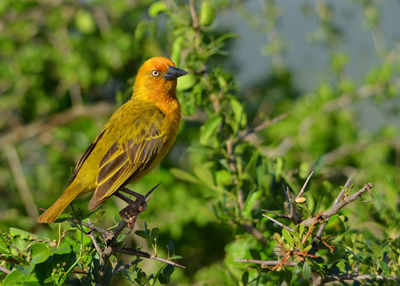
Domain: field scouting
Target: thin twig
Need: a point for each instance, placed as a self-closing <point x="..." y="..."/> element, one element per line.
<point x="372" y="277"/>
<point x="128" y="265"/>
<point x="255" y="232"/>
<point x="266" y="262"/>
<point x="311" y="228"/>
<point x="304" y="186"/>
<point x="279" y="223"/>
<point x="140" y="253"/>
<point x="278" y="214"/>
<point x="292" y="208"/>
<point x="232" y="165"/>
<point x="323" y="225"/>
<point x="4" y="270"/>
<point x="104" y="232"/>
<point x="195" y="21"/>
<point x="245" y="133"/>
<point x="344" y="189"/>
<point x="20" y="180"/>
<point x="96" y="245"/>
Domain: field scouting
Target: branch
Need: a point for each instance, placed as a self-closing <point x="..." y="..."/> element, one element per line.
<point x="195" y="21"/>
<point x="40" y="127"/>
<point x="278" y="214"/>
<point x="4" y="270"/>
<point x="20" y="180"/>
<point x="279" y="223"/>
<point x="140" y="253"/>
<point x="341" y="204"/>
<point x="129" y="215"/>
<point x="232" y="165"/>
<point x="345" y="277"/>
<point x="337" y="200"/>
<point x="266" y="262"/>
<point x="245" y="133"/>
<point x="128" y="265"/>
<point x="304" y="186"/>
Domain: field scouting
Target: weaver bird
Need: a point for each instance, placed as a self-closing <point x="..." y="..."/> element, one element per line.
<point x="134" y="140"/>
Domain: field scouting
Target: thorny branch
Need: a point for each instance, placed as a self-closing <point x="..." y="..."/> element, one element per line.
<point x="110" y="237"/>
<point x="340" y="202"/>
<point x="337" y="200"/>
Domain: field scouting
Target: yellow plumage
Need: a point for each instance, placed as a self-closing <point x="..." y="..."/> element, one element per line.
<point x="135" y="139"/>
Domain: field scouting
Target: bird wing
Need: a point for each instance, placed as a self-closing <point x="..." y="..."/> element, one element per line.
<point x="130" y="156"/>
<point x="85" y="156"/>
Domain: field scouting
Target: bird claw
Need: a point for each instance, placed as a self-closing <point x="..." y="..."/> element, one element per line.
<point x="130" y="212"/>
<point x="135" y="207"/>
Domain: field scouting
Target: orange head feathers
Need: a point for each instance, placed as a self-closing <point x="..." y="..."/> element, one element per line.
<point x="157" y="74"/>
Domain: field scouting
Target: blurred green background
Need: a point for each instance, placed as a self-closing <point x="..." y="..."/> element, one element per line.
<point x="332" y="66"/>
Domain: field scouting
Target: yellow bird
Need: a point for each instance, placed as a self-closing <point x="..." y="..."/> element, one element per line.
<point x="134" y="140"/>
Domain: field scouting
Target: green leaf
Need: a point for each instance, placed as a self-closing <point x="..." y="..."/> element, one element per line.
<point x="183" y="175"/>
<point x="62" y="218"/>
<point x="16" y="277"/>
<point x="223" y="177"/>
<point x="245" y="278"/>
<point x="176" y="53"/>
<point x="22" y="233"/>
<point x="155" y="232"/>
<point x="383" y="265"/>
<point x="250" y="201"/>
<point x="84" y="22"/>
<point x="157" y="8"/>
<point x="204" y="174"/>
<point x="40" y="252"/>
<point x="142" y="233"/>
<point x="301" y="230"/>
<point x="306" y="271"/>
<point x="207" y="13"/>
<point x="186" y="82"/>
<point x="278" y="168"/>
<point x="208" y="129"/>
<point x="237" y="109"/>
<point x="287" y="236"/>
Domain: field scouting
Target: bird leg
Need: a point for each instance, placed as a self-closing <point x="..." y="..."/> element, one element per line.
<point x="132" y="193"/>
<point x="135" y="207"/>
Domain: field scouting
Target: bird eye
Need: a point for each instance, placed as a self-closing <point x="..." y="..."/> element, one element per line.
<point x="155" y="73"/>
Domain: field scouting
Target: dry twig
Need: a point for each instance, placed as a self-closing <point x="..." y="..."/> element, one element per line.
<point x="20" y="180"/>
<point x="266" y="262"/>
<point x="304" y="186"/>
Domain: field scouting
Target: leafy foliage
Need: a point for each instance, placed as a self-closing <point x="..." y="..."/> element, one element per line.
<point x="236" y="153"/>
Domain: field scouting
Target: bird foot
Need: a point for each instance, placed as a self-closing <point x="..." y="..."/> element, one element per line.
<point x="135" y="207"/>
<point x="130" y="212"/>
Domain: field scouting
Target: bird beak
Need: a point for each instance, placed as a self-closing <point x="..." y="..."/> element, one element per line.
<point x="173" y="73"/>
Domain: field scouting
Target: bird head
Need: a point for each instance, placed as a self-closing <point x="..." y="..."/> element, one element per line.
<point x="158" y="74"/>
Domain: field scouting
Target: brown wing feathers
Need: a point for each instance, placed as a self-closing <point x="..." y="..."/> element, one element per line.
<point x="123" y="161"/>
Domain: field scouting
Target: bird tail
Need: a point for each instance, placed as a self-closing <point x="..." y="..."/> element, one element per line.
<point x="50" y="215"/>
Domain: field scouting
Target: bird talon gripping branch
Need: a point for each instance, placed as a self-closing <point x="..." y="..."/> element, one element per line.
<point x="134" y="140"/>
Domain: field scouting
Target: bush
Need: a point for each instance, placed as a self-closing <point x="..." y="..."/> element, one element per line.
<point x="267" y="183"/>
